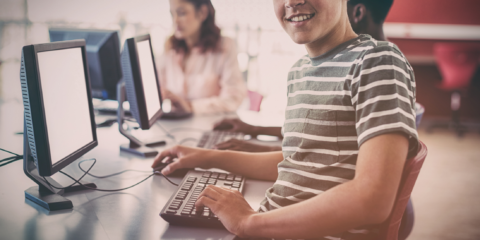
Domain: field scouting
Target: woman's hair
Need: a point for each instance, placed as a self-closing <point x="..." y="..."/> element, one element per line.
<point x="209" y="32"/>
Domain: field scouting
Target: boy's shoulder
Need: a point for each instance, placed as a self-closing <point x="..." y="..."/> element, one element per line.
<point x="365" y="44"/>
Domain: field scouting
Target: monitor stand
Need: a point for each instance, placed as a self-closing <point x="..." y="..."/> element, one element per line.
<point x="135" y="146"/>
<point x="44" y="195"/>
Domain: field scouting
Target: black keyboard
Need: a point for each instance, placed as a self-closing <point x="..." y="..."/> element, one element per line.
<point x="180" y="208"/>
<point x="212" y="138"/>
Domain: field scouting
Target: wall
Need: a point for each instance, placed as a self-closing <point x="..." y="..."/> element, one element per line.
<point x="435" y="11"/>
<point x="449" y="14"/>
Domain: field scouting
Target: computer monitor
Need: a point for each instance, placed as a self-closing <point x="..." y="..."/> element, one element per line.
<point x="140" y="83"/>
<point x="103" y="54"/>
<point x="59" y="126"/>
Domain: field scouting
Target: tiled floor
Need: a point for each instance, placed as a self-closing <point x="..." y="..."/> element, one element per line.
<point x="446" y="197"/>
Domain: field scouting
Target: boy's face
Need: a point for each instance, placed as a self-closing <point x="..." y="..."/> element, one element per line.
<point x="307" y="21"/>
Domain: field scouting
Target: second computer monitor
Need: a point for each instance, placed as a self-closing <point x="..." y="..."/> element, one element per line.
<point x="103" y="53"/>
<point x="141" y="81"/>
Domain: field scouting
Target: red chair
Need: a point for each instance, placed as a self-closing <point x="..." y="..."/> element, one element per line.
<point x="255" y="100"/>
<point x="389" y="230"/>
<point x="457" y="63"/>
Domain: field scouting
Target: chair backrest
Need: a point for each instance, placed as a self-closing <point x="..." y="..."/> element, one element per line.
<point x="419" y="111"/>
<point x="255" y="100"/>
<point x="457" y="63"/>
<point x="389" y="229"/>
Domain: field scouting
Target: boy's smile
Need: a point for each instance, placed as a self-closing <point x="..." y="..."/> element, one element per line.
<point x="314" y="22"/>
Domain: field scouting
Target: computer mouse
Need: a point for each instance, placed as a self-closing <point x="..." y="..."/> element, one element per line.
<point x="177" y="173"/>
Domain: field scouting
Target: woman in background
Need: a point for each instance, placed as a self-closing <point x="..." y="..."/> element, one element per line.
<point x="199" y="70"/>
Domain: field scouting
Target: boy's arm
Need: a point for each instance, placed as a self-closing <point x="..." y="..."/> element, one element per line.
<point x="367" y="199"/>
<point x="261" y="166"/>
<point x="237" y="125"/>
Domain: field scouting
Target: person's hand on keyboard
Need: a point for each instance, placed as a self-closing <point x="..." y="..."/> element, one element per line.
<point x="182" y="157"/>
<point x="229" y="205"/>
<point x="235" y="125"/>
<point x="245" y="146"/>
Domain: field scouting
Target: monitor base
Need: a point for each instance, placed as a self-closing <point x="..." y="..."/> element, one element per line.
<point x="142" y="151"/>
<point x="52" y="201"/>
<point x="155" y="143"/>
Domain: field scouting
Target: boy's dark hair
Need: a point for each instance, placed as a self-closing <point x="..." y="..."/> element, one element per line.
<point x="378" y="8"/>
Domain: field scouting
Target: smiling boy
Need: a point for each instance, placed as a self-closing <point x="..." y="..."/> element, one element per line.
<point x="349" y="128"/>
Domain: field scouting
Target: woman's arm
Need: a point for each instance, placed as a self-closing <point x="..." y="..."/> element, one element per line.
<point x="262" y="166"/>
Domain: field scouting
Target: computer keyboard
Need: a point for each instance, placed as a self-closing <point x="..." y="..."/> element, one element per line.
<point x="212" y="138"/>
<point x="180" y="208"/>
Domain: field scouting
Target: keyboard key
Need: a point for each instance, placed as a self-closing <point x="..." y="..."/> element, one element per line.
<point x="230" y="177"/>
<point x="238" y="178"/>
<point x="206" y="174"/>
<point x="214" y="175"/>
<point x="185" y="213"/>
<point x="180" y="197"/>
<point x="174" y="207"/>
<point x="191" y="179"/>
<point x="206" y="214"/>
<point x="222" y="176"/>
<point x="227" y="183"/>
<point x="171" y="211"/>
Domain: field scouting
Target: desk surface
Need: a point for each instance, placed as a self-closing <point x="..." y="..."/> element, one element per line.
<point x="130" y="214"/>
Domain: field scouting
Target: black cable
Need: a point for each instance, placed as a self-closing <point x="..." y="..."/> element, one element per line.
<point x="9" y="152"/>
<point x="11" y="161"/>
<point x="9" y="158"/>
<point x="118" y="173"/>
<point x="103" y="190"/>
<point x="91" y="166"/>
<point x="110" y="175"/>
<point x="166" y="132"/>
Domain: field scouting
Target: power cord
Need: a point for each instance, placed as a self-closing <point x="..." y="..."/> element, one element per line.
<point x="17" y="157"/>
<point x="166" y="132"/>
<point x="110" y="175"/>
<point x="103" y="190"/>
<point x="118" y="173"/>
<point x="9" y="160"/>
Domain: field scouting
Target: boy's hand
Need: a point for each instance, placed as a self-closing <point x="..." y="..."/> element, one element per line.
<point x="245" y="146"/>
<point x="235" y="125"/>
<point x="229" y="205"/>
<point x="182" y="157"/>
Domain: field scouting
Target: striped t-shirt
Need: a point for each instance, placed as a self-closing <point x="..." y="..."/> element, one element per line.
<point x="336" y="101"/>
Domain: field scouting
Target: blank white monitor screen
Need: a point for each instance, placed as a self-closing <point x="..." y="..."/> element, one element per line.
<point x="147" y="71"/>
<point x="65" y="101"/>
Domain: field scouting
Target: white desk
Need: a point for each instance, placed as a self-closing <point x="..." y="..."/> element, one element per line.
<point x="130" y="214"/>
